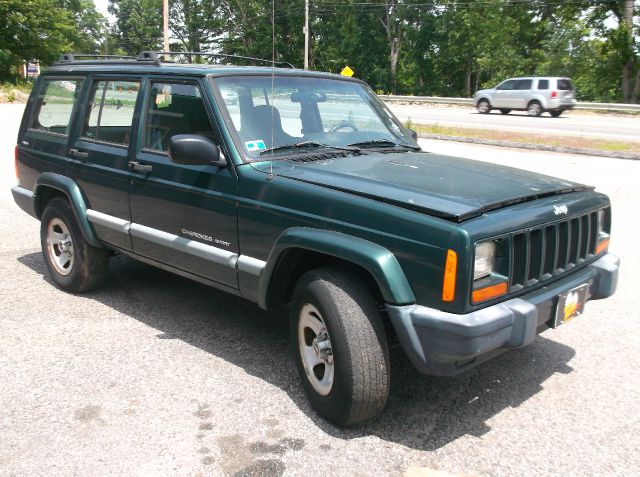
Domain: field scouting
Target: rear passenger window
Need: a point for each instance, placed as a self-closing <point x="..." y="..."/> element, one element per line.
<point x="523" y="84"/>
<point x="543" y="84"/>
<point x="111" y="109"/>
<point x="175" y="108"/>
<point x="54" y="105"/>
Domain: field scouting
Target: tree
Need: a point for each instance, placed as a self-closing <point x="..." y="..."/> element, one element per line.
<point x="33" y="30"/>
<point x="196" y="24"/>
<point x="138" y="25"/>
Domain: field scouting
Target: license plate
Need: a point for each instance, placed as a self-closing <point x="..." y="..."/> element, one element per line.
<point x="571" y="304"/>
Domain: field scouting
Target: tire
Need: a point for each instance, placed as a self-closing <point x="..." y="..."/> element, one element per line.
<point x="534" y="109"/>
<point x="74" y="265"/>
<point x="484" y="107"/>
<point x="505" y="111"/>
<point x="555" y="114"/>
<point x="348" y="379"/>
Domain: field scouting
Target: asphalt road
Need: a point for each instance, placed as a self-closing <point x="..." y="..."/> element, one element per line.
<point x="575" y="123"/>
<point x="157" y="375"/>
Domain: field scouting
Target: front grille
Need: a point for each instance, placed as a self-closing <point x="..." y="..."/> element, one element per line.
<point x="543" y="252"/>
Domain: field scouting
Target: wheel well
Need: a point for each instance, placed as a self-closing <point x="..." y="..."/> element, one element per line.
<point x="296" y="262"/>
<point x="533" y="101"/>
<point x="44" y="195"/>
<point x="484" y="99"/>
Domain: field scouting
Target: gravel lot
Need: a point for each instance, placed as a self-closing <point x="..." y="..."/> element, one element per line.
<point x="157" y="375"/>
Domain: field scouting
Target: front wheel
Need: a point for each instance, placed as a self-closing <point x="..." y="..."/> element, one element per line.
<point x="74" y="265"/>
<point x="484" y="107"/>
<point x="340" y="346"/>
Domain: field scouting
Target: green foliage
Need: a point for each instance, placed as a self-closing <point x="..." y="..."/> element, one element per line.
<point x="138" y="26"/>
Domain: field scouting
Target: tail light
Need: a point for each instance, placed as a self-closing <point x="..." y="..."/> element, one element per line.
<point x="16" y="163"/>
<point x="554" y="94"/>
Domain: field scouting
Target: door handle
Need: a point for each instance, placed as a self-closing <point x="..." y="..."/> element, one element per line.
<point x="139" y="167"/>
<point x="78" y="154"/>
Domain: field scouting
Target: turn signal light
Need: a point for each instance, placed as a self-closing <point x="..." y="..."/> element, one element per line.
<point x="449" y="281"/>
<point x="602" y="246"/>
<point x="487" y="293"/>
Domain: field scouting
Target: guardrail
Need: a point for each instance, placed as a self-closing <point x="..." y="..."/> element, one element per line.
<point x="616" y="107"/>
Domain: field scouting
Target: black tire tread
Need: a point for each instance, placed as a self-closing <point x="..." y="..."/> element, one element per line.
<point x="91" y="264"/>
<point x="363" y="331"/>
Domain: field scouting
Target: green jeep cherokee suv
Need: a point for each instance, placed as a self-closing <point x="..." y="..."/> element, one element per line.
<point x="298" y="188"/>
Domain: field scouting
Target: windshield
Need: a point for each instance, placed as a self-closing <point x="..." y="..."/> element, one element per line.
<point x="319" y="111"/>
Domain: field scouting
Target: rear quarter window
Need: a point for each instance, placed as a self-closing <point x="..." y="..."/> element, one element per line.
<point x="565" y="85"/>
<point x="54" y="105"/>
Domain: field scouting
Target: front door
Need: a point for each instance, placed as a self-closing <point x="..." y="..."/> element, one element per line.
<point x="503" y="96"/>
<point x="182" y="215"/>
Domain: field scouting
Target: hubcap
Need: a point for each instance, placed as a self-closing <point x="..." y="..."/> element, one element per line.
<point x="484" y="107"/>
<point x="534" y="109"/>
<point x="315" y="349"/>
<point x="60" y="246"/>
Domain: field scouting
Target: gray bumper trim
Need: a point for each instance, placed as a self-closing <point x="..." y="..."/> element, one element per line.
<point x="444" y="344"/>
<point x="24" y="198"/>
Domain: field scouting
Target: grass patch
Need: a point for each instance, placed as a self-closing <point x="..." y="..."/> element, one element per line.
<point x="563" y="141"/>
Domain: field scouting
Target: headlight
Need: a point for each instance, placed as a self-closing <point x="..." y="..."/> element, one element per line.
<point x="602" y="220"/>
<point x="485" y="259"/>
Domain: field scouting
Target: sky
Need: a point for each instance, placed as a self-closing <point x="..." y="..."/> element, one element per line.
<point x="101" y="6"/>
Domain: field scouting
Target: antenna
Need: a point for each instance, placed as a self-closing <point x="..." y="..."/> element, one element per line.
<point x="273" y="81"/>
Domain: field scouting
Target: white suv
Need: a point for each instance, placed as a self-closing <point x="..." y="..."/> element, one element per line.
<point x="534" y="95"/>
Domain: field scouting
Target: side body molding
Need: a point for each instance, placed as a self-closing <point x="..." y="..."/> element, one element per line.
<point x="68" y="187"/>
<point x="375" y="259"/>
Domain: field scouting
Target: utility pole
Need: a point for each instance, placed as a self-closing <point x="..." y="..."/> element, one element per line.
<point x="306" y="34"/>
<point x="165" y="26"/>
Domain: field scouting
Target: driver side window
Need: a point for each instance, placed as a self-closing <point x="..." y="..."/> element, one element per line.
<point x="507" y="85"/>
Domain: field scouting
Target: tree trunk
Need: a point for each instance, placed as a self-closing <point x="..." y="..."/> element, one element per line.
<point x="636" y="90"/>
<point x="467" y="80"/>
<point x="627" y="71"/>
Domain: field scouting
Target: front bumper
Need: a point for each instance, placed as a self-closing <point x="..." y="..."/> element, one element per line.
<point x="445" y="344"/>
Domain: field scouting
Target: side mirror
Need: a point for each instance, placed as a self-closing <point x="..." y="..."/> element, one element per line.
<point x="414" y="134"/>
<point x="195" y="150"/>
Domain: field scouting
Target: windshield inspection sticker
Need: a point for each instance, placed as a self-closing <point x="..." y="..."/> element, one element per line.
<point x="257" y="145"/>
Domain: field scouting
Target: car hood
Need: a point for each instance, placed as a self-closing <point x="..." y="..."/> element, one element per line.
<point x="483" y="91"/>
<point x="452" y="188"/>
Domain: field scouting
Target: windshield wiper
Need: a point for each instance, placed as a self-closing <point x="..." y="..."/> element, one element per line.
<point x="384" y="143"/>
<point x="305" y="144"/>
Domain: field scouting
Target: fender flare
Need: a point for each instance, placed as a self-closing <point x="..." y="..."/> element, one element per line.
<point x="74" y="195"/>
<point x="375" y="259"/>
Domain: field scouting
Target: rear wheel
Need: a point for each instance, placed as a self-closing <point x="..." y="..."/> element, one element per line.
<point x="534" y="109"/>
<point x="340" y="346"/>
<point x="74" y="265"/>
<point x="555" y="114"/>
<point x="505" y="111"/>
<point x="484" y="107"/>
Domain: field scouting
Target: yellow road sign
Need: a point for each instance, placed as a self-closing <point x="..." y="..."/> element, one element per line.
<point x="346" y="71"/>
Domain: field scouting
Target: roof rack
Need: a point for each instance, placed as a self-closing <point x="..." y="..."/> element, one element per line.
<point x="91" y="59"/>
<point x="153" y="57"/>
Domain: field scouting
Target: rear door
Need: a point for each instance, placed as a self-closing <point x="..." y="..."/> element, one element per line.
<point x="44" y="143"/>
<point x="101" y="151"/>
<point x="521" y="93"/>
<point x="182" y="215"/>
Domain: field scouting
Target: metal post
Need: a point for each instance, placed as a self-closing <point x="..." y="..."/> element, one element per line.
<point x="165" y="26"/>
<point x="306" y="34"/>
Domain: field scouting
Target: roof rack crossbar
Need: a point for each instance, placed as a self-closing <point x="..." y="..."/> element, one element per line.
<point x="73" y="57"/>
<point x="214" y="55"/>
<point x="153" y="57"/>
